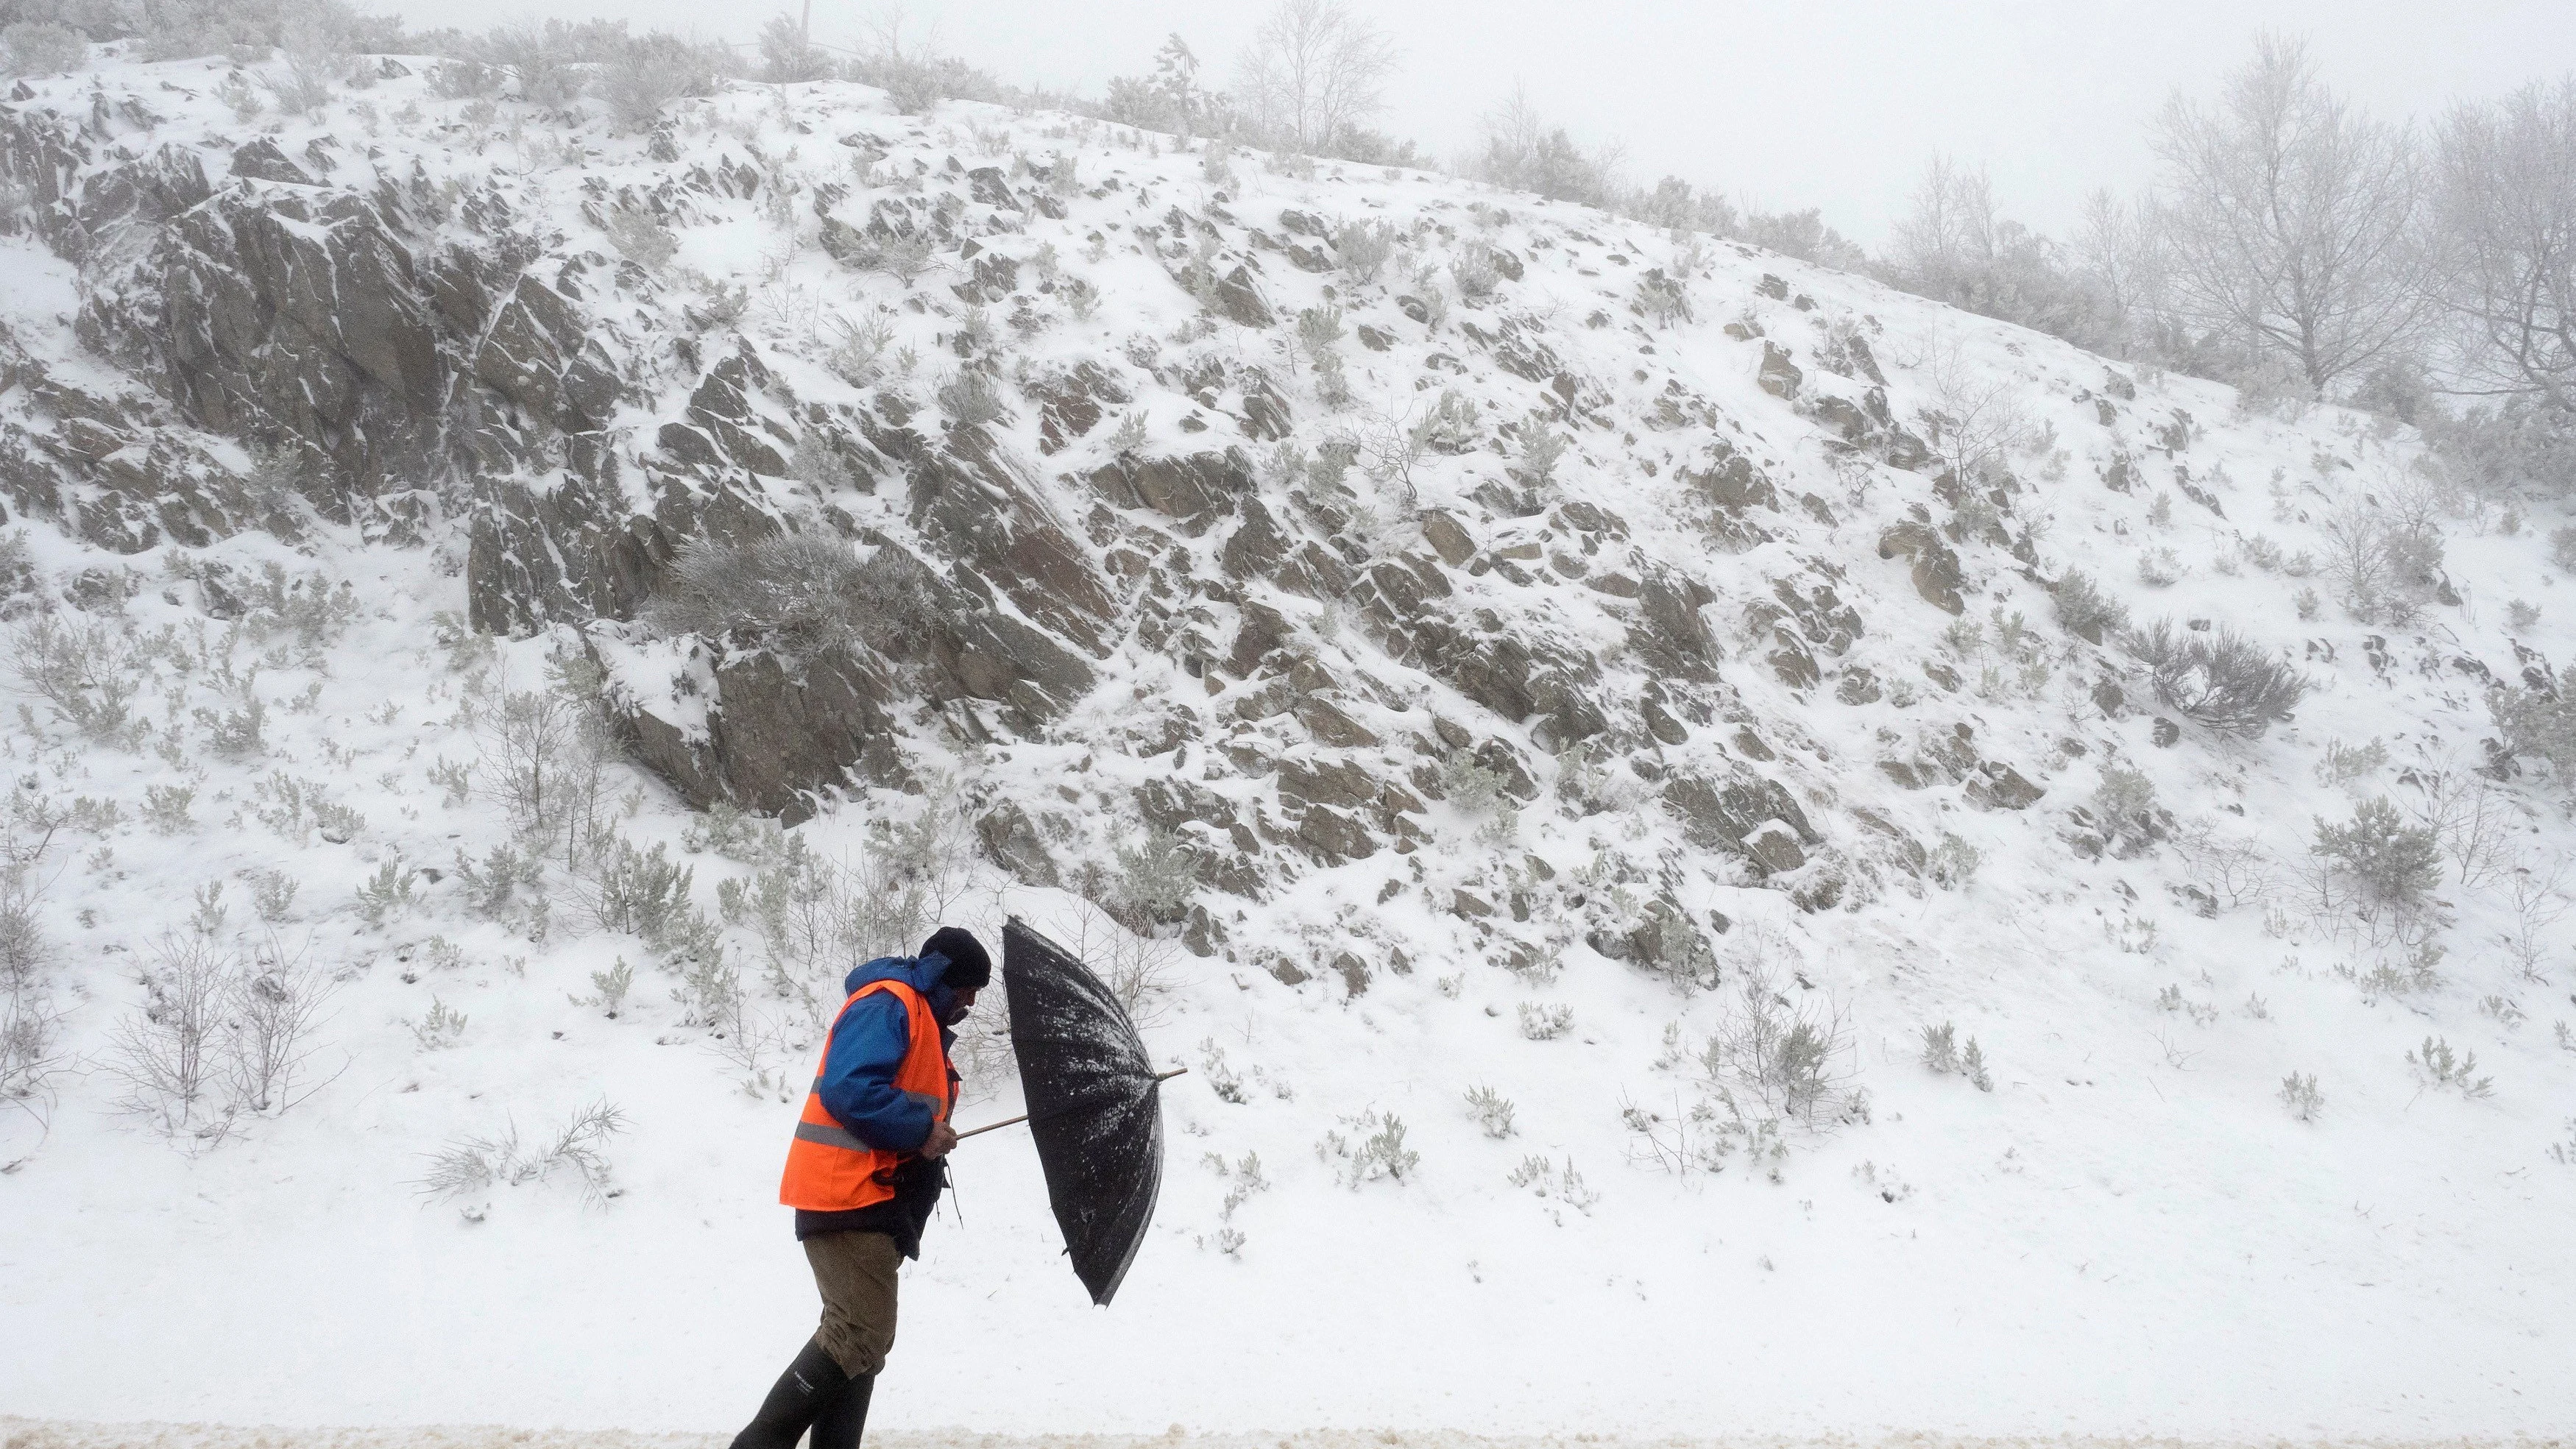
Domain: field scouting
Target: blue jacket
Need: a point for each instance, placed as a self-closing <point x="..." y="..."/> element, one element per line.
<point x="868" y="1044"/>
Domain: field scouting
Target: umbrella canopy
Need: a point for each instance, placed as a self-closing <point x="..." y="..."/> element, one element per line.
<point x="1094" y="1107"/>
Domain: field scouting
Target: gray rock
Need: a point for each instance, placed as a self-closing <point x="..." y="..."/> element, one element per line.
<point x="1937" y="576"/>
<point x="1011" y="841"/>
<point x="1779" y="376"/>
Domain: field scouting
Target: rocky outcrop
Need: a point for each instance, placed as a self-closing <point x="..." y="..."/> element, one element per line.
<point x="1936" y="566"/>
<point x="1739" y="817"/>
<point x="747" y="727"/>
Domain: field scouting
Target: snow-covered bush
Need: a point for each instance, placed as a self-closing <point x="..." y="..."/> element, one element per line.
<point x="1972" y="1065"/>
<point x="1475" y="272"/>
<point x="37" y="48"/>
<point x="1364" y="249"/>
<point x="30" y="1024"/>
<point x="1953" y="863"/>
<point x="2299" y="1093"/>
<point x="2342" y="764"/>
<point x="803" y="594"/>
<point x="1541" y="449"/>
<point x="1491" y="1111"/>
<point x="2540" y="723"/>
<point x="2390" y="862"/>
<point x="1156" y="877"/>
<point x="612" y="985"/>
<point x="1545" y="1021"/>
<point x="1539" y="1175"/>
<point x="2085" y="610"/>
<point x="1940" y="1048"/>
<point x="648" y="895"/>
<point x="443" y="1026"/>
<point x="1222" y="1079"/>
<point x="2436" y="1065"/>
<point x="651" y="71"/>
<point x="2217" y="677"/>
<point x="473" y="1164"/>
<point x="972" y="399"/>
<point x="1369" y="1147"/>
<point x="2126" y="800"/>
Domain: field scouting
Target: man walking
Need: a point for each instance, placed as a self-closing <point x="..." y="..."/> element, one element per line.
<point x="863" y="1174"/>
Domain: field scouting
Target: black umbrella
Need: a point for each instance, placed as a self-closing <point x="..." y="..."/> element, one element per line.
<point x="1093" y="1105"/>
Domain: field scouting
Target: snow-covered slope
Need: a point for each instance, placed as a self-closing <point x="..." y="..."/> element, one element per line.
<point x="1214" y="580"/>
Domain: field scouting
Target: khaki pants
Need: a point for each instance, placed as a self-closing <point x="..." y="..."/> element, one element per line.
<point x="855" y="1272"/>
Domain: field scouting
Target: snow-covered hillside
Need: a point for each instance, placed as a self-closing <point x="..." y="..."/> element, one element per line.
<point x="1489" y="646"/>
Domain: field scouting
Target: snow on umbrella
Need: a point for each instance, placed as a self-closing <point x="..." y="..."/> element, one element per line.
<point x="1093" y="1104"/>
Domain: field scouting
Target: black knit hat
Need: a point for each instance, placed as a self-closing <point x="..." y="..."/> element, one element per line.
<point x="968" y="967"/>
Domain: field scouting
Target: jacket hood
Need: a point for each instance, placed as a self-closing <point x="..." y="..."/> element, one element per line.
<point x="921" y="973"/>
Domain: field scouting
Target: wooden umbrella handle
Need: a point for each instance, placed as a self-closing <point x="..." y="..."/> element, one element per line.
<point x="1023" y="1117"/>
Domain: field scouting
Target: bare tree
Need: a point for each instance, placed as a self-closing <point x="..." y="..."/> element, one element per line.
<point x="2505" y="197"/>
<point x="1314" y="71"/>
<point x="1518" y="148"/>
<point x="2292" y="218"/>
<point x="2118" y="258"/>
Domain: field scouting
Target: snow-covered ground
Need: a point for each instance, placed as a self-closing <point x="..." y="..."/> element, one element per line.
<point x="2130" y="1234"/>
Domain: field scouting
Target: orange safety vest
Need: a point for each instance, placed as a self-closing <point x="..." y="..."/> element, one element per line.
<point x="830" y="1171"/>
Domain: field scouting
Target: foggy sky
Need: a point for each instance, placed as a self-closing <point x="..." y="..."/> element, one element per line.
<point x="1836" y="104"/>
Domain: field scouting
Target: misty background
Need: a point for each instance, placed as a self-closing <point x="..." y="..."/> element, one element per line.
<point x="1833" y="105"/>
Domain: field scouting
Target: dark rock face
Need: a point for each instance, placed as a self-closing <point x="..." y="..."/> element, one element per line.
<point x="1672" y="634"/>
<point x="1727" y="817"/>
<point x="1936" y="568"/>
<point x="2002" y="788"/>
<point x="1195" y="489"/>
<point x="773" y="736"/>
<point x="295" y="321"/>
<point x="1239" y="298"/>
<point x="1779" y="376"/>
<point x="1011" y="841"/>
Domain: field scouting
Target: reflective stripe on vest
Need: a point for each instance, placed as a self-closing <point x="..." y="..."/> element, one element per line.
<point x="828" y="1168"/>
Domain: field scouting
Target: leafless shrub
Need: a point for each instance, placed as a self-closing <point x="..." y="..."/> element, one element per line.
<point x="171" y="1052"/>
<point x="2217" y="677"/>
<point x="1975" y="421"/>
<point x="545" y="758"/>
<point x="275" y="1007"/>
<point x="1777" y="1059"/>
<point x="30" y="1025"/>
<point x="1139" y="969"/>
<point x="2470" y="818"/>
<point x="2536" y="890"/>
<point x="2231" y="872"/>
<point x="817" y="919"/>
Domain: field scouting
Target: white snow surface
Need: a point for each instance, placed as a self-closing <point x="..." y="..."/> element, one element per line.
<point x="2128" y="1236"/>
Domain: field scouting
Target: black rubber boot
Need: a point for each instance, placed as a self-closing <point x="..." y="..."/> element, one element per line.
<point x="810" y="1384"/>
<point x="841" y="1420"/>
